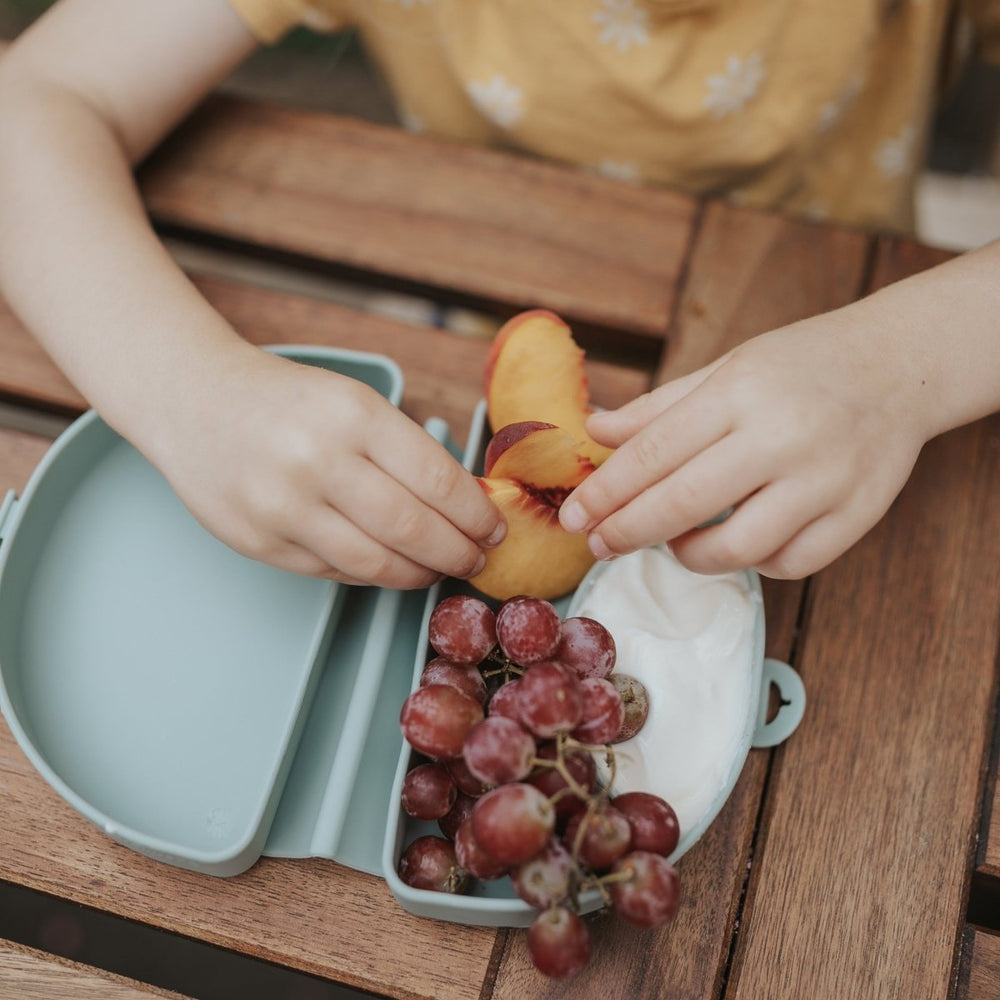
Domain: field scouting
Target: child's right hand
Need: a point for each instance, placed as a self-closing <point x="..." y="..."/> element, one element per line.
<point x="318" y="474"/>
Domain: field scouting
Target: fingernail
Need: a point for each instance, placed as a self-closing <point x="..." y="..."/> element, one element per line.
<point x="480" y="563"/>
<point x="498" y="535"/>
<point x="600" y="551"/>
<point x="572" y="516"/>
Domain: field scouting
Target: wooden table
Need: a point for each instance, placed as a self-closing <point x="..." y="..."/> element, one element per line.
<point x="860" y="859"/>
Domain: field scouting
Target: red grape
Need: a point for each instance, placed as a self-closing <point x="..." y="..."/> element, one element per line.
<point x="528" y="629"/>
<point x="548" y="699"/>
<point x="498" y="750"/>
<point x="472" y="857"/>
<point x="545" y="879"/>
<point x="462" y="629"/>
<point x="466" y="781"/>
<point x="513" y="822"/>
<point x="459" y="813"/>
<point x="464" y="677"/>
<point x="430" y="863"/>
<point x="650" y="897"/>
<point x="504" y="701"/>
<point x="428" y="792"/>
<point x="435" y="720"/>
<point x="558" y="943"/>
<point x="605" y="837"/>
<point x="586" y="647"/>
<point x="603" y="711"/>
<point x="635" y="699"/>
<point x="652" y="820"/>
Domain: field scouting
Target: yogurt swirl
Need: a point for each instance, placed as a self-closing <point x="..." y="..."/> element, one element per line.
<point x="689" y="639"/>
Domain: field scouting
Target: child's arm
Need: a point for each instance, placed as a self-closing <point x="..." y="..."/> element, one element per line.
<point x="808" y="431"/>
<point x="300" y="467"/>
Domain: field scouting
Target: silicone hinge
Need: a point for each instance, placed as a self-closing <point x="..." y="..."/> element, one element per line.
<point x="792" y="704"/>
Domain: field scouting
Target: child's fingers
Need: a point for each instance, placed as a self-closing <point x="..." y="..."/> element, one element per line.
<point x="701" y="489"/>
<point x="354" y="556"/>
<point x="614" y="427"/>
<point x="758" y="528"/>
<point x="383" y="508"/>
<point x="414" y="459"/>
<point x="655" y="452"/>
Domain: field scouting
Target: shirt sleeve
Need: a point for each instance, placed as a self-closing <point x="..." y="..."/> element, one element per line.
<point x="269" y="20"/>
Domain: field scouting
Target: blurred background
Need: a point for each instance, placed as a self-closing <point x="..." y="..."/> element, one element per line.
<point x="958" y="197"/>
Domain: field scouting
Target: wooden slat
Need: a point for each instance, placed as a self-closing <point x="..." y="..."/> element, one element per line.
<point x="506" y="230"/>
<point x="752" y="272"/>
<point x="980" y="978"/>
<point x="28" y="974"/>
<point x="442" y="371"/>
<point x="859" y="882"/>
<point x="748" y="272"/>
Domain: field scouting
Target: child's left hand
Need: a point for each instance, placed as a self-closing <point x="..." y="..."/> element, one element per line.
<point x="807" y="433"/>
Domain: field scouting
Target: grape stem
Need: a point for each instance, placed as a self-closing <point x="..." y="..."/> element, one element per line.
<point x="504" y="665"/>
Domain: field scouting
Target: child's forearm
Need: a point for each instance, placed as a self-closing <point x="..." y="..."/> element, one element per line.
<point x="79" y="262"/>
<point x="943" y="335"/>
<point x="82" y="268"/>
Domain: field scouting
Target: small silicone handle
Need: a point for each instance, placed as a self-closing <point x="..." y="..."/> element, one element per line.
<point x="790" y="711"/>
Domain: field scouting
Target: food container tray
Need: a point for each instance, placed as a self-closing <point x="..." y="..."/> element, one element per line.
<point x="198" y="706"/>
<point x="205" y="709"/>
<point x="493" y="903"/>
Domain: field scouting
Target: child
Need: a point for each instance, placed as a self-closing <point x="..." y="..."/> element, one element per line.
<point x="808" y="432"/>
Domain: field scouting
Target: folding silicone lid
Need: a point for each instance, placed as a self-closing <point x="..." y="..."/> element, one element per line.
<point x="174" y="691"/>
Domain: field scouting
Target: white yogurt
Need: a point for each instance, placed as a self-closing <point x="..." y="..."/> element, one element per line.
<point x="689" y="639"/>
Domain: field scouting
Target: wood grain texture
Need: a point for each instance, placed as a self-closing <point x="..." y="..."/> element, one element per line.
<point x="442" y="371"/>
<point x="750" y="273"/>
<point x="980" y="979"/>
<point x="27" y="974"/>
<point x="19" y="454"/>
<point x="860" y="881"/>
<point x="504" y="229"/>
<point x="311" y="915"/>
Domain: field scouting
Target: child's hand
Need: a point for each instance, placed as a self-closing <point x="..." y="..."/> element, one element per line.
<point x="808" y="432"/>
<point x="318" y="474"/>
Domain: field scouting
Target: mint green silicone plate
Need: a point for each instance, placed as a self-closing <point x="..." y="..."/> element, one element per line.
<point x="198" y="706"/>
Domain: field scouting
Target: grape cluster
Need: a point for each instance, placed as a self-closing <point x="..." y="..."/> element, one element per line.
<point x="507" y="717"/>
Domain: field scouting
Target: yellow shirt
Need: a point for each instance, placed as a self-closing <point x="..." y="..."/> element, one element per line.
<point x="815" y="107"/>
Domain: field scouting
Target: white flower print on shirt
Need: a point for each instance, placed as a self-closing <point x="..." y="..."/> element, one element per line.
<point x="498" y="100"/>
<point x="728" y="92"/>
<point x="623" y="24"/>
<point x="893" y="155"/>
<point x="831" y="112"/>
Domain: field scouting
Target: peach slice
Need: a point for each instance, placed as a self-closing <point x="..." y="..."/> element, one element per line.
<point x="534" y="371"/>
<point x="529" y="472"/>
